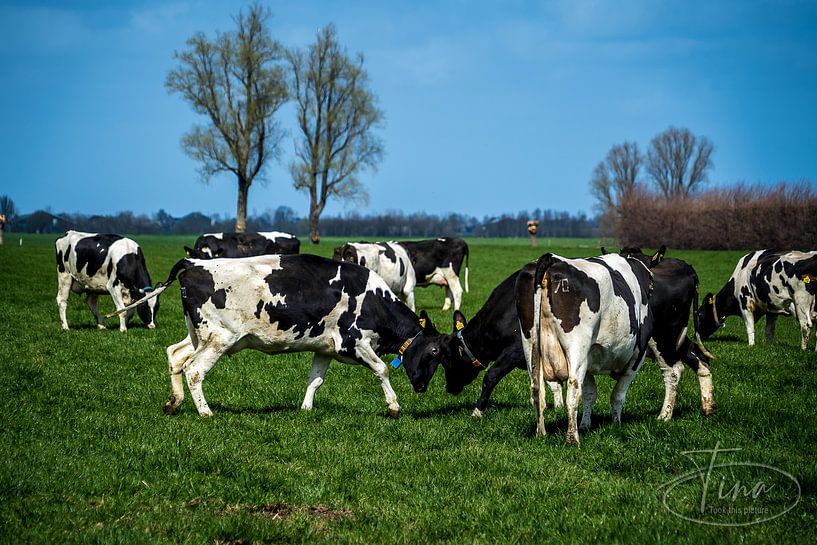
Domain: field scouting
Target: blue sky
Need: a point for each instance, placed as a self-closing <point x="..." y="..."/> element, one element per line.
<point x="490" y="107"/>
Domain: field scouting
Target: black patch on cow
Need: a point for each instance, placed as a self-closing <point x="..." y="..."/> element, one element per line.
<point x="132" y="271"/>
<point x="362" y="261"/>
<point x="778" y="267"/>
<point x="60" y="264"/>
<point x="776" y="289"/>
<point x="565" y="304"/>
<point x="232" y="245"/>
<point x="402" y="268"/>
<point x="67" y="253"/>
<point x="198" y="287"/>
<point x="622" y="289"/>
<point x="258" y="308"/>
<point x="388" y="251"/>
<point x="761" y="276"/>
<point x="746" y="260"/>
<point x="219" y="298"/>
<point x="110" y="268"/>
<point x="92" y="252"/>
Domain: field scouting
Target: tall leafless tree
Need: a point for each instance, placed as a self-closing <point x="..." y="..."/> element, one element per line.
<point x="337" y="115"/>
<point x="237" y="81"/>
<point x="614" y="178"/>
<point x="678" y="162"/>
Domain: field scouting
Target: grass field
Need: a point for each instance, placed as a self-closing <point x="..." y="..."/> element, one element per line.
<point x="89" y="457"/>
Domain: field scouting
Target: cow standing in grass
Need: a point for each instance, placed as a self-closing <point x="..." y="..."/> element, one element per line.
<point x="765" y="283"/>
<point x="299" y="303"/>
<point x="580" y="318"/>
<point x="438" y="262"/>
<point x="103" y="264"/>
<point x="212" y="245"/>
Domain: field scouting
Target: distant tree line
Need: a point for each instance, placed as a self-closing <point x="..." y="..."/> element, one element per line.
<point x="389" y="224"/>
<point x="739" y="217"/>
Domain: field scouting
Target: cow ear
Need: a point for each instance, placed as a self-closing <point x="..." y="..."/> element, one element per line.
<point x="459" y="321"/>
<point x="658" y="256"/>
<point x="425" y="323"/>
<point x="603" y="250"/>
<point x="709" y="299"/>
<point x="188" y="251"/>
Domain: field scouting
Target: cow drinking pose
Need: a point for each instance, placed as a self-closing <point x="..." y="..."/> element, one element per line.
<point x="103" y="264"/>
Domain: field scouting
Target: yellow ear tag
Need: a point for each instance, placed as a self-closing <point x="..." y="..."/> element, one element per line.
<point x="711" y="300"/>
<point x="806" y="279"/>
<point x="423" y="323"/>
<point x="460" y="325"/>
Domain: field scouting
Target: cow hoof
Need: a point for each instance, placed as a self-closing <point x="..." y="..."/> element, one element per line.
<point x="394" y="413"/>
<point x="101" y="327"/>
<point x="477" y="413"/>
<point x="151" y="326"/>
<point x="206" y="413"/>
<point x="664" y="416"/>
<point x="572" y="441"/>
<point x="709" y="410"/>
<point x="170" y="408"/>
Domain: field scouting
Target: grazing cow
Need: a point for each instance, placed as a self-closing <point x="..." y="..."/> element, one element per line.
<point x="493" y="336"/>
<point x="580" y="318"/>
<point x="765" y="283"/>
<point x="212" y="245"/>
<point x="675" y="292"/>
<point x="438" y="262"/>
<point x="99" y="264"/>
<point x="387" y="259"/>
<point x="297" y="303"/>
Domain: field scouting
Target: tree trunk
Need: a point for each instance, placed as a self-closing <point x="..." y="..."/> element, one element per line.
<point x="314" y="229"/>
<point x="241" y="213"/>
<point x="2" y="227"/>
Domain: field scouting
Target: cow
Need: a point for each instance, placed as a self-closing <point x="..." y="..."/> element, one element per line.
<point x="231" y="245"/>
<point x="580" y="318"/>
<point x="294" y="303"/>
<point x="493" y="336"/>
<point x="97" y="264"/>
<point x="439" y="262"/>
<point x="765" y="283"/>
<point x="388" y="259"/>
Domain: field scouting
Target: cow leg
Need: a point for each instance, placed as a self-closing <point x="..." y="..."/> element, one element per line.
<point x="64" y="281"/>
<point x="409" y="299"/>
<point x="320" y="363"/>
<point x="453" y="290"/>
<point x="802" y="311"/>
<point x="119" y="303"/>
<point x="589" y="394"/>
<point x="707" y="392"/>
<point x="556" y="390"/>
<point x="381" y="371"/>
<point x="574" y="397"/>
<point x="771" y="322"/>
<point x="499" y="370"/>
<point x="749" y="322"/>
<point x="178" y="355"/>
<point x="93" y="305"/>
<point x="619" y="394"/>
<point x="672" y="378"/>
<point x="202" y="360"/>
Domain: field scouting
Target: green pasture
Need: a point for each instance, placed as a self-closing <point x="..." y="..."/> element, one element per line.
<point x="89" y="457"/>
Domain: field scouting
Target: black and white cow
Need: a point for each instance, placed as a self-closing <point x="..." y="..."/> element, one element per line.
<point x="580" y="318"/>
<point x="438" y="262"/>
<point x="212" y="245"/>
<point x="765" y="283"/>
<point x="493" y="336"/>
<point x="98" y="264"/>
<point x="675" y="293"/>
<point x="387" y="259"/>
<point x="297" y="303"/>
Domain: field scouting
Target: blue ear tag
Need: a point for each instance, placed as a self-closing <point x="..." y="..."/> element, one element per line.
<point x="396" y="362"/>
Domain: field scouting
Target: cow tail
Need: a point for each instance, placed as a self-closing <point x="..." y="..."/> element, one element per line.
<point x="467" y="254"/>
<point x="180" y="265"/>
<point x="551" y="352"/>
<point x="695" y="320"/>
<point x="160" y="287"/>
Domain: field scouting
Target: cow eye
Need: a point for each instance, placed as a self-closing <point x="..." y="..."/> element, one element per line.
<point x="435" y="351"/>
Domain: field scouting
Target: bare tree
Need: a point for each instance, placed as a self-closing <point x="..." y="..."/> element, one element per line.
<point x="336" y="116"/>
<point x="613" y="179"/>
<point x="678" y="162"/>
<point x="236" y="81"/>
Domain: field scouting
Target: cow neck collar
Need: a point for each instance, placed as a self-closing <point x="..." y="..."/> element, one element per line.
<point x="474" y="360"/>
<point x="408" y="342"/>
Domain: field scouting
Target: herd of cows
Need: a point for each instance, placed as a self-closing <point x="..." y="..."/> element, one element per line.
<point x="563" y="320"/>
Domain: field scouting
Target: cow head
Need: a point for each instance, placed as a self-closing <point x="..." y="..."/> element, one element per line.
<point x="460" y="370"/>
<point x="147" y="311"/>
<point x="708" y="320"/>
<point x="649" y="261"/>
<point x="195" y="253"/>
<point x="423" y="354"/>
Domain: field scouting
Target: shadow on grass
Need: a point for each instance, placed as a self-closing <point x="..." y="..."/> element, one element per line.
<point x="233" y="409"/>
<point x="459" y="408"/>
